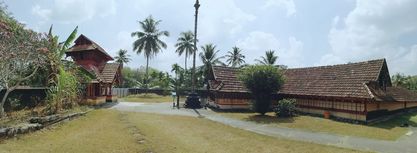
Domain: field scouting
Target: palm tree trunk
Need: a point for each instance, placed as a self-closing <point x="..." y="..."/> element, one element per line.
<point x="185" y="66"/>
<point x="146" y="75"/>
<point x="178" y="99"/>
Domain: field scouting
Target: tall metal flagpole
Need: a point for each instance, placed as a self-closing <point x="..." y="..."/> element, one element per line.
<point x="196" y="5"/>
<point x="193" y="100"/>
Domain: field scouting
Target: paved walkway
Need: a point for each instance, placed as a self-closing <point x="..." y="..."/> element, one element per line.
<point x="406" y="144"/>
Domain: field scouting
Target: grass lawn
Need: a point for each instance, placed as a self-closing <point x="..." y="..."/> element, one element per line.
<point x="388" y="130"/>
<point x="113" y="131"/>
<point x="147" y="98"/>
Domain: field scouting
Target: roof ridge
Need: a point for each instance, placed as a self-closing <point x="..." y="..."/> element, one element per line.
<point x="326" y="66"/>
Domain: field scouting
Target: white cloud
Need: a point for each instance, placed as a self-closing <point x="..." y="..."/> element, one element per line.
<point x="69" y="11"/>
<point x="228" y="19"/>
<point x="376" y="29"/>
<point x="258" y="42"/>
<point x="288" y="5"/>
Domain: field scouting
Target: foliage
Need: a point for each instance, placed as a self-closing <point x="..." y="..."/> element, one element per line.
<point x="65" y="94"/>
<point x="56" y="54"/>
<point x="148" y="41"/>
<point x="185" y="45"/>
<point x="23" y="53"/>
<point x="409" y="82"/>
<point x="269" y="59"/>
<point x="263" y="81"/>
<point x="122" y="57"/>
<point x="234" y="57"/>
<point x="285" y="108"/>
<point x="134" y="78"/>
<point x="209" y="58"/>
<point x="65" y="89"/>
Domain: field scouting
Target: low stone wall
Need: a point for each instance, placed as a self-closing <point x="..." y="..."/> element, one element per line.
<point x="35" y="123"/>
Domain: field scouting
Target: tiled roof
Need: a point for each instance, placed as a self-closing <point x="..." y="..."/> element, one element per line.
<point x="226" y="79"/>
<point x="106" y="75"/>
<point x="396" y="94"/>
<point x="345" y="80"/>
<point x="87" y="47"/>
<point x="109" y="72"/>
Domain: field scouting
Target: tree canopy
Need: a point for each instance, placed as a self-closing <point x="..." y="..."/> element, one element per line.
<point x="263" y="81"/>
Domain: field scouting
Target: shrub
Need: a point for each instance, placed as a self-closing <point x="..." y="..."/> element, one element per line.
<point x="285" y="108"/>
<point x="263" y="81"/>
<point x="65" y="94"/>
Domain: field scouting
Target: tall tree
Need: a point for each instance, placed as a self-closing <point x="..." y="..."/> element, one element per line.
<point x="22" y="53"/>
<point x="262" y="81"/>
<point x="269" y="59"/>
<point x="122" y="57"/>
<point x="234" y="57"/>
<point x="209" y="58"/>
<point x="185" y="45"/>
<point x="177" y="81"/>
<point x="148" y="41"/>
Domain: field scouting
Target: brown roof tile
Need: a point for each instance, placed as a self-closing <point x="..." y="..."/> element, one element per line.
<point x="109" y="72"/>
<point x="345" y="80"/>
<point x="91" y="45"/>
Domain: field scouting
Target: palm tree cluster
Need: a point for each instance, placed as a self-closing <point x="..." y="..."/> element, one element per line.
<point x="148" y="42"/>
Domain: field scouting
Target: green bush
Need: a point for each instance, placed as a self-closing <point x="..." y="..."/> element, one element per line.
<point x="65" y="94"/>
<point x="263" y="81"/>
<point x="285" y="108"/>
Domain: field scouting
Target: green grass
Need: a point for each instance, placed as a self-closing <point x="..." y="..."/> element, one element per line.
<point x="387" y="130"/>
<point x="147" y="98"/>
<point x="113" y="131"/>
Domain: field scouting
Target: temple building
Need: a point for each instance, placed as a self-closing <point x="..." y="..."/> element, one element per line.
<point x="356" y="91"/>
<point x="94" y="59"/>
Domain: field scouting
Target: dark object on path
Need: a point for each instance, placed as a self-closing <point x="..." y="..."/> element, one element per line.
<point x="404" y="125"/>
<point x="193" y="101"/>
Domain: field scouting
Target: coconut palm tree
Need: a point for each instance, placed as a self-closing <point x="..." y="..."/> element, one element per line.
<point x="148" y="41"/>
<point x="234" y="57"/>
<point x="269" y="59"/>
<point x="177" y="81"/>
<point x="122" y="57"/>
<point x="209" y="58"/>
<point x="185" y="45"/>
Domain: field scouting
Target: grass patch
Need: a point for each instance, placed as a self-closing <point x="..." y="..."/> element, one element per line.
<point x="98" y="131"/>
<point x="147" y="98"/>
<point x="190" y="134"/>
<point x="113" y="131"/>
<point x="387" y="130"/>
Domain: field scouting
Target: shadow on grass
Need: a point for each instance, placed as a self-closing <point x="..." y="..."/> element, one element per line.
<point x="254" y="117"/>
<point x="409" y="118"/>
<point x="268" y="119"/>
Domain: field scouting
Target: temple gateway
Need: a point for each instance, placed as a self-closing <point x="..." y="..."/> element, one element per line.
<point x="94" y="59"/>
<point x="356" y="91"/>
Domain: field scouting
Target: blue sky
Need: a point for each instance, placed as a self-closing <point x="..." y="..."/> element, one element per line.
<point x="304" y="33"/>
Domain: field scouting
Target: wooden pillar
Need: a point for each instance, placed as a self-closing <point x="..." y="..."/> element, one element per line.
<point x="365" y="107"/>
